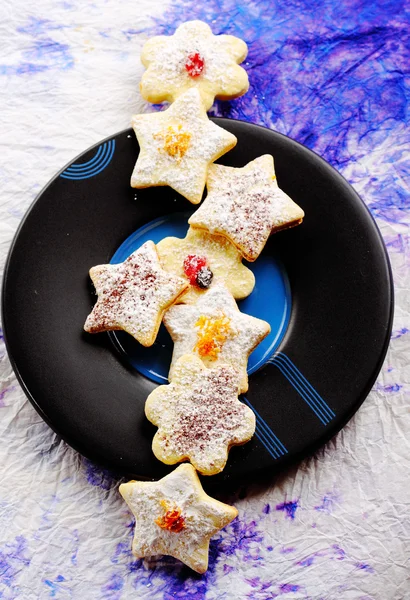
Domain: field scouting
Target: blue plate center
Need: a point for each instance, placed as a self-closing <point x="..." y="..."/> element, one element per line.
<point x="270" y="301"/>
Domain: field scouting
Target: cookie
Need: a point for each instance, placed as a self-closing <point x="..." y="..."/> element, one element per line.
<point x="177" y="146"/>
<point x="199" y="416"/>
<point x="212" y="258"/>
<point x="246" y="205"/>
<point x="215" y="330"/>
<point x="133" y="295"/>
<point x="193" y="57"/>
<point x="174" y="516"/>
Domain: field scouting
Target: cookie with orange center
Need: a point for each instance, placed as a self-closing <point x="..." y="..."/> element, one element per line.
<point x="174" y="516"/>
<point x="193" y="57"/>
<point x="205" y="260"/>
<point x="199" y="416"/>
<point x="246" y="205"/>
<point x="133" y="295"/>
<point x="177" y="146"/>
<point x="215" y="330"/>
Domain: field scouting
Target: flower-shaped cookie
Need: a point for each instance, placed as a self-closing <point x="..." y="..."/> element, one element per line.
<point x="177" y="146"/>
<point x="193" y="57"/>
<point x="174" y="516"/>
<point x="215" y="330"/>
<point x="133" y="295"/>
<point x="199" y="416"/>
<point x="220" y="256"/>
<point x="246" y="205"/>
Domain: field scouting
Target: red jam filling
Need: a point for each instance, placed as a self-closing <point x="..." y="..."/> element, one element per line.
<point x="172" y="520"/>
<point x="194" y="65"/>
<point x="192" y="265"/>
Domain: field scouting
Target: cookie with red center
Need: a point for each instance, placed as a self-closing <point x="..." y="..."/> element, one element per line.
<point x="174" y="516"/>
<point x="199" y="416"/>
<point x="193" y="57"/>
<point x="133" y="295"/>
<point x="203" y="260"/>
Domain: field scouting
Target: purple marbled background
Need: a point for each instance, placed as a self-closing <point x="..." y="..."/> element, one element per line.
<point x="334" y="76"/>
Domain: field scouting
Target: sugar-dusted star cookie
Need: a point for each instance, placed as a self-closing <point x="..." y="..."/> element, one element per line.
<point x="133" y="295"/>
<point x="174" y="516"/>
<point x="199" y="416"/>
<point x="205" y="260"/>
<point x="246" y="205"/>
<point x="194" y="57"/>
<point x="215" y="330"/>
<point x="177" y="147"/>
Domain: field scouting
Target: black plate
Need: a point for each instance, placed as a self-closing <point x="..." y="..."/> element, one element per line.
<point x="332" y="352"/>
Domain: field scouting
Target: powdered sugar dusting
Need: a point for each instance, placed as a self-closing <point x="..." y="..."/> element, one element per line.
<point x="222" y="257"/>
<point x="169" y="61"/>
<point x="133" y="295"/>
<point x="199" y="415"/>
<point x="186" y="166"/>
<point x="246" y="205"/>
<point x="202" y="515"/>
<point x="245" y="332"/>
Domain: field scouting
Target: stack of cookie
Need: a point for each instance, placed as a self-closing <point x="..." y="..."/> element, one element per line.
<point x="191" y="284"/>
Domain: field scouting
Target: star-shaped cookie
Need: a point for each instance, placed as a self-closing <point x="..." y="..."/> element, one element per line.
<point x="246" y="205"/>
<point x="215" y="330"/>
<point x="193" y="57"/>
<point x="223" y="260"/>
<point x="174" y="516"/>
<point x="177" y="147"/>
<point x="133" y="295"/>
<point x="199" y="416"/>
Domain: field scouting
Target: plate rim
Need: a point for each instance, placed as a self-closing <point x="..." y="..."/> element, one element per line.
<point x="286" y="461"/>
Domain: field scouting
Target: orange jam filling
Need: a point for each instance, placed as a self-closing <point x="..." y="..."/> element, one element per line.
<point x="172" y="520"/>
<point x="212" y="334"/>
<point x="176" y="141"/>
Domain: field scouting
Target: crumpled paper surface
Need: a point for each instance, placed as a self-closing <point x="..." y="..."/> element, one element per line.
<point x="333" y="76"/>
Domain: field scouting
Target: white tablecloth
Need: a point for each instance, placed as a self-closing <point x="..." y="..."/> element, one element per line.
<point x="330" y="75"/>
